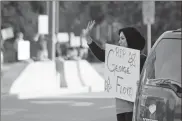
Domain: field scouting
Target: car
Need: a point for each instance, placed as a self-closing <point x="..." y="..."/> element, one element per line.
<point x="159" y="91"/>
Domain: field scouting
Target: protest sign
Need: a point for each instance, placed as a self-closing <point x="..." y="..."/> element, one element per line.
<point x="63" y="37"/>
<point x="23" y="50"/>
<point x="75" y="41"/>
<point x="122" y="71"/>
<point x="7" y="33"/>
<point x="43" y="25"/>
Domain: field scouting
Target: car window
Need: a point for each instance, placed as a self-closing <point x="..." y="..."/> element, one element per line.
<point x="165" y="61"/>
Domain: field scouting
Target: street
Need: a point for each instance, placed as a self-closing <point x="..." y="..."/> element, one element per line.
<point x="73" y="107"/>
<point x="89" y="61"/>
<point x="63" y="109"/>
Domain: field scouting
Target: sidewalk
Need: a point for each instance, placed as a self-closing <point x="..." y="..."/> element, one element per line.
<point x="10" y="73"/>
<point x="38" y="77"/>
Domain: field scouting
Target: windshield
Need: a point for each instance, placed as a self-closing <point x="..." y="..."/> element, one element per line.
<point x="165" y="61"/>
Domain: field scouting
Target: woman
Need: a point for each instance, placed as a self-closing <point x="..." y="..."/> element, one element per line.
<point x="130" y="38"/>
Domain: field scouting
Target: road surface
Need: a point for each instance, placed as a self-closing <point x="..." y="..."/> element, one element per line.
<point x="60" y="109"/>
<point x="72" y="108"/>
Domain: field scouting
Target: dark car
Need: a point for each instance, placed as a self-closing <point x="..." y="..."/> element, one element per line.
<point x="159" y="92"/>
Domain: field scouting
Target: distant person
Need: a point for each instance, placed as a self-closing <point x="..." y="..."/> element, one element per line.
<point x="19" y="38"/>
<point x="128" y="37"/>
<point x="58" y="49"/>
<point x="72" y="53"/>
<point x="83" y="52"/>
<point x="42" y="48"/>
<point x="34" y="47"/>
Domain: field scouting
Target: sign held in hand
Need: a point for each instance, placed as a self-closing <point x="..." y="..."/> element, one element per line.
<point x="122" y="71"/>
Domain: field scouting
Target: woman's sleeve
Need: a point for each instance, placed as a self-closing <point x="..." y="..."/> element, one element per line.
<point x="97" y="51"/>
<point x="142" y="61"/>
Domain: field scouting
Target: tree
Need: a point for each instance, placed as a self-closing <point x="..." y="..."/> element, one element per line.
<point x="168" y="17"/>
<point x="74" y="16"/>
<point x="20" y="16"/>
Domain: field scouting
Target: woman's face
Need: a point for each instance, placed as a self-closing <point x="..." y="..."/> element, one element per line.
<point x="122" y="40"/>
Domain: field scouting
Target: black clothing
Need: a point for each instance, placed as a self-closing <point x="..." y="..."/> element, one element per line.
<point x="134" y="39"/>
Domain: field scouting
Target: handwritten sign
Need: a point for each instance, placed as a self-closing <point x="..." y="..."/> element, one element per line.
<point x="23" y="50"/>
<point x="122" y="71"/>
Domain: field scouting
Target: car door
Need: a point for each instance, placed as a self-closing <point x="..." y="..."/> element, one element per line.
<point x="159" y="93"/>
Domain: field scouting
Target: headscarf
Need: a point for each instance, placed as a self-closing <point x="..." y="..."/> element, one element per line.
<point x="134" y="39"/>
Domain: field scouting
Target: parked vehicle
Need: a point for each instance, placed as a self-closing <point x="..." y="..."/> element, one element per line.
<point x="159" y="92"/>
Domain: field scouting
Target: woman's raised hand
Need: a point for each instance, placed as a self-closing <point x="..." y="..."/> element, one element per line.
<point x="87" y="31"/>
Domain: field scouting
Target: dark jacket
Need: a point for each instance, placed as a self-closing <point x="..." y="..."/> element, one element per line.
<point x="100" y="54"/>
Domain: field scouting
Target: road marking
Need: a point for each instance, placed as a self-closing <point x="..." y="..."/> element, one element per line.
<point x="82" y="104"/>
<point x="52" y="102"/>
<point x="11" y="111"/>
<point x="106" y="107"/>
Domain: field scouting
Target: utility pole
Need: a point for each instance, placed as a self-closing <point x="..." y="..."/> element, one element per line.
<point x="53" y="13"/>
<point x="148" y="19"/>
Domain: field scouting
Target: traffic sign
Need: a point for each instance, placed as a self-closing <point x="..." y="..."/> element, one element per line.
<point x="148" y="9"/>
